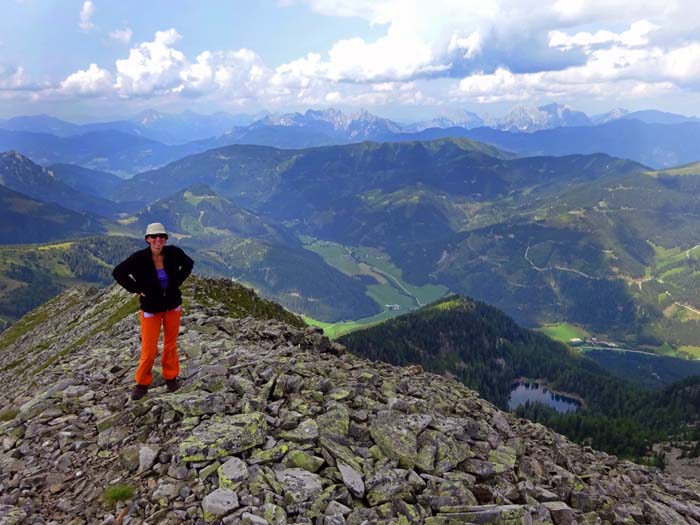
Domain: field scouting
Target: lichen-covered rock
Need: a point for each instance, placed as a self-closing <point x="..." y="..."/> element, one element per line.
<point x="219" y="503"/>
<point x="147" y="456"/>
<point x="306" y="431"/>
<point x="232" y="473"/>
<point x="504" y="456"/>
<point x="561" y="513"/>
<point x="10" y="515"/>
<point x="224" y="435"/>
<point x="274" y="514"/>
<point x="352" y="479"/>
<point x="196" y="403"/>
<point x="387" y="486"/>
<point x="299" y="485"/>
<point x="449" y="453"/>
<point x="483" y="469"/>
<point x="335" y="421"/>
<point x="396" y="438"/>
<point x="657" y="513"/>
<point x="299" y="458"/>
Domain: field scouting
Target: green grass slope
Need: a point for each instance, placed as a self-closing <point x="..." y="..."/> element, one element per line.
<point x="32" y="274"/>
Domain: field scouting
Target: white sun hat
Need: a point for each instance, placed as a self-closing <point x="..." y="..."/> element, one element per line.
<point x="155" y="228"/>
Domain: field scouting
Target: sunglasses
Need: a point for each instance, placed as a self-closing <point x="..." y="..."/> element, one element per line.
<point x="157" y="236"/>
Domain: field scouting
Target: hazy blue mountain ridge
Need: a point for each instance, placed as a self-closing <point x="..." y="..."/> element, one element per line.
<point x="160" y="127"/>
<point x="656" y="145"/>
<point x="93" y="182"/>
<point x="654" y="138"/>
<point x="652" y="116"/>
<point x="529" y="118"/>
<point x="20" y="174"/>
<point x="25" y="220"/>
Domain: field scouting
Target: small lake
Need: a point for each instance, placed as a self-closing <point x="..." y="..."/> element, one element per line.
<point x="536" y="393"/>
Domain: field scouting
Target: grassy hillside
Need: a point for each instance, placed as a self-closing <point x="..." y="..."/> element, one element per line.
<point x="32" y="274"/>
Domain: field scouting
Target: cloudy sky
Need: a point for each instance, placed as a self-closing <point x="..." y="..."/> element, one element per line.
<point x="94" y="59"/>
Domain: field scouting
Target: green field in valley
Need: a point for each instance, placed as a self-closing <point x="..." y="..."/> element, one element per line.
<point x="385" y="284"/>
<point x="371" y="263"/>
<point x="564" y="332"/>
<point x="335" y="330"/>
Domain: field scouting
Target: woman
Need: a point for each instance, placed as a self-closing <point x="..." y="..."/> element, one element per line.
<point x="156" y="273"/>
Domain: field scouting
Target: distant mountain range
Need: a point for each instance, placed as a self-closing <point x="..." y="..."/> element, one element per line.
<point x="656" y="145"/>
<point x="586" y="238"/>
<point x="160" y="127"/>
<point x="188" y="126"/>
<point x="148" y="141"/>
<point x="544" y="238"/>
<point x="20" y="174"/>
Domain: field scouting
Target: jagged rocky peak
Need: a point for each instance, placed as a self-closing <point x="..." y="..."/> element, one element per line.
<point x="149" y="116"/>
<point x="332" y="116"/>
<point x="530" y="118"/>
<point x="449" y="119"/>
<point x="613" y="114"/>
<point x="357" y="125"/>
<point x="13" y="155"/>
<point x="275" y="424"/>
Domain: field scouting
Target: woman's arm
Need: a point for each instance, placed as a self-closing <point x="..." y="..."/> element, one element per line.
<point x="184" y="266"/>
<point x="123" y="274"/>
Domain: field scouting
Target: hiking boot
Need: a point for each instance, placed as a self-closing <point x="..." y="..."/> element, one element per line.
<point x="173" y="384"/>
<point x="139" y="391"/>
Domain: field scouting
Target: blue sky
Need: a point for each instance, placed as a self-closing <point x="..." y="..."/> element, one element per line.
<point x="96" y="59"/>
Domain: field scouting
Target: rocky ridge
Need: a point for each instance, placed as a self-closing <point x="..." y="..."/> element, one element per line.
<point x="275" y="424"/>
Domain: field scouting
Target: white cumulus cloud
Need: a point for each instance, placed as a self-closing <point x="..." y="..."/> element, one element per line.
<point x="152" y="66"/>
<point x="422" y="52"/>
<point x="240" y="72"/>
<point x="86" y="14"/>
<point x="637" y="35"/>
<point x="92" y="81"/>
<point x="469" y="45"/>
<point x="122" y="35"/>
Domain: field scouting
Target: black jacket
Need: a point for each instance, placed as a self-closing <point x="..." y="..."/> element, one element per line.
<point x="138" y="274"/>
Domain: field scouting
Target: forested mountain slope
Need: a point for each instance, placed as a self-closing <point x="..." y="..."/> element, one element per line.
<point x="488" y="351"/>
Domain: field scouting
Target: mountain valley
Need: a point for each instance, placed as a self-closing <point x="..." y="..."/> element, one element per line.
<point x="392" y="226"/>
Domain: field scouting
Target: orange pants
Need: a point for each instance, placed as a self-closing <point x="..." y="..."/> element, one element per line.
<point x="150" y="332"/>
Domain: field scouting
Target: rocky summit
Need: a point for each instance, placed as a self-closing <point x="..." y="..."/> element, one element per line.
<point x="275" y="424"/>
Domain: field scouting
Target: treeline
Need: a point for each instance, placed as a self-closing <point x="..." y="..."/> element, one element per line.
<point x="623" y="436"/>
<point x="39" y="288"/>
<point x="487" y="350"/>
<point x="92" y="259"/>
<point x="38" y="273"/>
